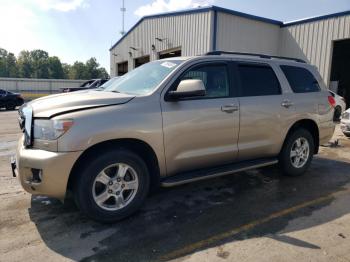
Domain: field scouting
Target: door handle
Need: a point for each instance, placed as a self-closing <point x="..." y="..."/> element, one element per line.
<point x="287" y="103"/>
<point x="229" y="108"/>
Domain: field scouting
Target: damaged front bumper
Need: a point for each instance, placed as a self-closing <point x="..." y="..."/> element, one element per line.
<point x="43" y="172"/>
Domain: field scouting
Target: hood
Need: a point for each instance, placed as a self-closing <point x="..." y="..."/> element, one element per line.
<point x="81" y="100"/>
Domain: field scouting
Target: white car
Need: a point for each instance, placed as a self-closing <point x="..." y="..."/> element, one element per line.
<point x="340" y="105"/>
<point x="345" y="123"/>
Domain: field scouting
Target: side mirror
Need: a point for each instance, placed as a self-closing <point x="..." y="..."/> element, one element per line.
<point x="188" y="88"/>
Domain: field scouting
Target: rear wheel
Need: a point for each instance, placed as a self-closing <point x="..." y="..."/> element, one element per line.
<point x="112" y="186"/>
<point x="297" y="153"/>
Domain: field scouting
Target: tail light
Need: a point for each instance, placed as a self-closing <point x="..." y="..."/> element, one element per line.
<point x="331" y="101"/>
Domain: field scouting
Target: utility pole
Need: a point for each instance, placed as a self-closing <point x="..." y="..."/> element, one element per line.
<point x="123" y="10"/>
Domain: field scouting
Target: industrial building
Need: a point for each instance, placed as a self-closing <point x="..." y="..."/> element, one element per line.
<point x="323" y="41"/>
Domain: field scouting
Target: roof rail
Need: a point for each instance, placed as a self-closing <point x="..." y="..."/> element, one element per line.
<point x="254" y="54"/>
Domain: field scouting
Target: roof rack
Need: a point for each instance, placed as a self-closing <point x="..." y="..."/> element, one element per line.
<point x="254" y="54"/>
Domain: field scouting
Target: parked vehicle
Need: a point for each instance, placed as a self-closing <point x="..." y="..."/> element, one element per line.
<point x="340" y="106"/>
<point x="10" y="100"/>
<point x="91" y="84"/>
<point x="345" y="123"/>
<point x="171" y="122"/>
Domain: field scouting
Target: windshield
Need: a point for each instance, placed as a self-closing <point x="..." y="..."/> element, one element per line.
<point x="145" y="78"/>
<point x="108" y="83"/>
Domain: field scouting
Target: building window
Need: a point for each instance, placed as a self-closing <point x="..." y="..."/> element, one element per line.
<point x="169" y="53"/>
<point x="141" y="60"/>
<point x="122" y="68"/>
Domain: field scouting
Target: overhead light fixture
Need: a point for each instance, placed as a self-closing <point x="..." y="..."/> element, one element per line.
<point x="160" y="39"/>
<point x="133" y="48"/>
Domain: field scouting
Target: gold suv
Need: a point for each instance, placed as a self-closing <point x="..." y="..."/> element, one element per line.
<point x="171" y="122"/>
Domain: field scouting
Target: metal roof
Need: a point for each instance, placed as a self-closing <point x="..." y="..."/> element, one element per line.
<point x="316" y="18"/>
<point x="232" y="12"/>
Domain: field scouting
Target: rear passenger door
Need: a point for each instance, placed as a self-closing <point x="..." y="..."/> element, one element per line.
<point x="307" y="96"/>
<point x="264" y="110"/>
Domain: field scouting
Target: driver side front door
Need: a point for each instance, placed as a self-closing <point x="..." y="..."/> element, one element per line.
<point x="202" y="132"/>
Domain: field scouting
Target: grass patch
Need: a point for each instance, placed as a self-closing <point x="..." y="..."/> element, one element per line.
<point x="31" y="96"/>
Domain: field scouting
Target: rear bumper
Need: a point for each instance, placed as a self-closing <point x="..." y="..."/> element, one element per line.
<point x="54" y="170"/>
<point x="326" y="131"/>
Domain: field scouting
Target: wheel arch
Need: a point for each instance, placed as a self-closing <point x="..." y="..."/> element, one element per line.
<point x="139" y="147"/>
<point x="309" y="125"/>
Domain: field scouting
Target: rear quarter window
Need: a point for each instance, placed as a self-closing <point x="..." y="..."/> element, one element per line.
<point x="300" y="79"/>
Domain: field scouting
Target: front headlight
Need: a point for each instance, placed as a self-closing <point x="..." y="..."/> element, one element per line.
<point x="47" y="129"/>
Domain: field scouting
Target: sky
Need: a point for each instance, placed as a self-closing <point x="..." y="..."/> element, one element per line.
<point x="75" y="30"/>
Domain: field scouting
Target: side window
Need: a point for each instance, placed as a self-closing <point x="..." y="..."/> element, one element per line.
<point x="300" y="79"/>
<point x="258" y="80"/>
<point x="214" y="77"/>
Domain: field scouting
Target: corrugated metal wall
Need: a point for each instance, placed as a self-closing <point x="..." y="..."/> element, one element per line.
<point x="313" y="41"/>
<point x="240" y="34"/>
<point x="191" y="32"/>
<point x="43" y="86"/>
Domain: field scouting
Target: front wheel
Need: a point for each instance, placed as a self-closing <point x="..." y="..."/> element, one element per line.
<point x="297" y="153"/>
<point x="113" y="186"/>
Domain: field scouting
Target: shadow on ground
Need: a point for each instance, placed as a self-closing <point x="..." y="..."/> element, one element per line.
<point x="178" y="218"/>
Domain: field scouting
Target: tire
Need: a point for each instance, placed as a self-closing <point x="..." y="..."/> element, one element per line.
<point x="92" y="187"/>
<point x="347" y="135"/>
<point x="10" y="105"/>
<point x="288" y="163"/>
<point x="337" y="113"/>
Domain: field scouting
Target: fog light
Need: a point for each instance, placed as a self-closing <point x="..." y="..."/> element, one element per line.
<point x="36" y="175"/>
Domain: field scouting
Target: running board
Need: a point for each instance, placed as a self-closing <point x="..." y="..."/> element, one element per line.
<point x="188" y="177"/>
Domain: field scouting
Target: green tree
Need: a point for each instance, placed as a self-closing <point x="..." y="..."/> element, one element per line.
<point x="8" y="64"/>
<point x="25" y="67"/>
<point x="40" y="63"/>
<point x="91" y="67"/>
<point x="55" y="68"/>
<point x="3" y="57"/>
<point x="11" y="64"/>
<point x="102" y="73"/>
<point x="78" y="71"/>
<point x="66" y="70"/>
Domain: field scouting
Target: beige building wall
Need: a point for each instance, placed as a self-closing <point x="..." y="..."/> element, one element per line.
<point x="190" y="32"/>
<point x="241" y="34"/>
